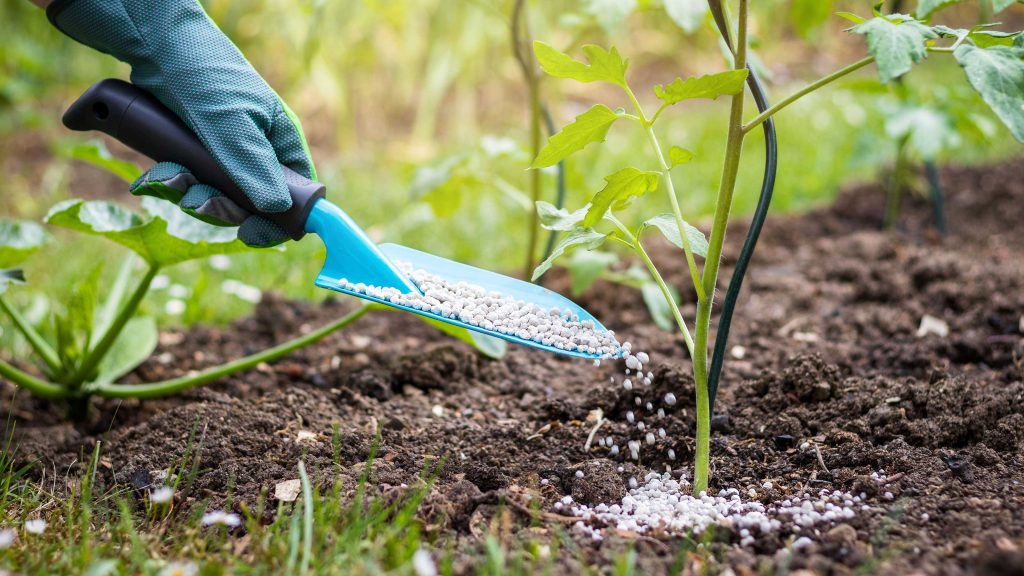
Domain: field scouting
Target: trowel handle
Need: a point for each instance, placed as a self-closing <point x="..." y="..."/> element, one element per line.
<point x="138" y="120"/>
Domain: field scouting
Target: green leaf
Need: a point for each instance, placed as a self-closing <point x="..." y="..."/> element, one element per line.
<point x="578" y="237"/>
<point x="95" y="152"/>
<point x="677" y="156"/>
<point x="10" y="276"/>
<point x="926" y="8"/>
<point x="897" y="42"/>
<point x="619" y="190"/>
<point x="1000" y="5"/>
<point x="166" y="236"/>
<point x="487" y="345"/>
<point x="560" y="219"/>
<point x="19" y="239"/>
<point x="851" y="17"/>
<point x="601" y="66"/>
<point x="997" y="73"/>
<point x="709" y="86"/>
<point x="928" y="131"/>
<point x="989" y="38"/>
<point x="688" y="14"/>
<point x="133" y="345"/>
<point x="442" y="185"/>
<point x="666" y="223"/>
<point x="585" y="267"/>
<point x="591" y="126"/>
<point x="659" y="309"/>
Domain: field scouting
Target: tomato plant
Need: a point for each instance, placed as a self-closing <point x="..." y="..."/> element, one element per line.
<point x="993" y="63"/>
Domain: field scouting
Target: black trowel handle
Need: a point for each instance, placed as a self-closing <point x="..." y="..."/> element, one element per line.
<point x="137" y="119"/>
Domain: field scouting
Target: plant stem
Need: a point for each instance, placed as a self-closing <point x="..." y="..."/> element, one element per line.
<point x="667" y="294"/>
<point x="183" y="383"/>
<point x="666" y="172"/>
<point x="730" y="169"/>
<point x="522" y="53"/>
<point x="39" y="387"/>
<point x="805" y="91"/>
<point x="100" y="350"/>
<point x="37" y="342"/>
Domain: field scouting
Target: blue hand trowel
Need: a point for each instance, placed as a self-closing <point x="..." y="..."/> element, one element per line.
<point x="140" y="121"/>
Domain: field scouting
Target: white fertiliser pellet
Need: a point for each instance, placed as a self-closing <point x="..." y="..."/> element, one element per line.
<point x="492" y="311"/>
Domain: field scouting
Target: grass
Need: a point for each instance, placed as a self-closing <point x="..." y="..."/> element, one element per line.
<point x="338" y="529"/>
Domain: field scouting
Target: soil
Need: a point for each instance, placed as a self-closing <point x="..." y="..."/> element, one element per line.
<point x="824" y="350"/>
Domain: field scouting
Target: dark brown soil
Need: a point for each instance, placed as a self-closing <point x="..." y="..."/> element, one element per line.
<point x="830" y="356"/>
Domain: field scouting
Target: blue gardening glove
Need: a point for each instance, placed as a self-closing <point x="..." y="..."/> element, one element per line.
<point x="180" y="56"/>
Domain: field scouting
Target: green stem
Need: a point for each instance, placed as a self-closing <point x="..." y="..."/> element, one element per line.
<point x="730" y="169"/>
<point x="677" y="212"/>
<point x="40" y="388"/>
<point x="521" y="51"/>
<point x="680" y="322"/>
<point x="805" y="91"/>
<point x="100" y="350"/>
<point x="666" y="172"/>
<point x="176" y="385"/>
<point x="37" y="342"/>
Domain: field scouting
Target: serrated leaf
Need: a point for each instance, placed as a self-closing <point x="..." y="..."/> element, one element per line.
<point x="928" y="131"/>
<point x="19" y="239"/>
<point x="591" y="126"/>
<point x="578" y="237"/>
<point x="133" y="345"/>
<point x="164" y="237"/>
<point x="487" y="345"/>
<point x="997" y="73"/>
<point x="897" y="42"/>
<point x="95" y="152"/>
<point x="709" y="86"/>
<point x="602" y="65"/>
<point x="677" y="156"/>
<point x="659" y="309"/>
<point x="926" y="8"/>
<point x="560" y="219"/>
<point x="619" y="189"/>
<point x="10" y="276"/>
<point x="688" y="14"/>
<point x="666" y="223"/>
<point x="585" y="267"/>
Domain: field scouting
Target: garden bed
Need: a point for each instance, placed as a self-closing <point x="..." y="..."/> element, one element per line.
<point x="828" y="383"/>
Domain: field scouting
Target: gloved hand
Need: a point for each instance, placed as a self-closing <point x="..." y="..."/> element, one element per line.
<point x="180" y="56"/>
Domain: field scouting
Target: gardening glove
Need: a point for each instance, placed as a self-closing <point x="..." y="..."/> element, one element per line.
<point x="180" y="56"/>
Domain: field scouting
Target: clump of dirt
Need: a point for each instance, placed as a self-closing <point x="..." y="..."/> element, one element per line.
<point x="828" y="386"/>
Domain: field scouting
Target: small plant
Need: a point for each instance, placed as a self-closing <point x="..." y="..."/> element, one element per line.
<point x="98" y="333"/>
<point x="993" y="62"/>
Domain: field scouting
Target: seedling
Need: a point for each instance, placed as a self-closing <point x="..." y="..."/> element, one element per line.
<point x="993" y="62"/>
<point x="96" y="343"/>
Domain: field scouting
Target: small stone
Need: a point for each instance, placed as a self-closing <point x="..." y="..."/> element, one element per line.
<point x="843" y="534"/>
<point x="288" y="491"/>
<point x="720" y="423"/>
<point x="784" y="442"/>
<point x="961" y="467"/>
<point x="305" y="437"/>
<point x="932" y="325"/>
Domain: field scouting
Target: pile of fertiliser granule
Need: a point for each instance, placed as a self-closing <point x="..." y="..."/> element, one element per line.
<point x="662" y="503"/>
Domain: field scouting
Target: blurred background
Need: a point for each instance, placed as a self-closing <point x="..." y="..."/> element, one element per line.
<point x="418" y="116"/>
